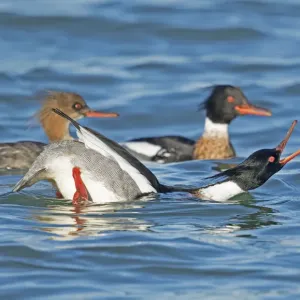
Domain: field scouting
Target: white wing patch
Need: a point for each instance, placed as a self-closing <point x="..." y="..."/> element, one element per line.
<point x="92" y="142"/>
<point x="143" y="148"/>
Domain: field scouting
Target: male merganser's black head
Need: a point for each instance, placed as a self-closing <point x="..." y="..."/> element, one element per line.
<point x="226" y="102"/>
<point x="259" y="166"/>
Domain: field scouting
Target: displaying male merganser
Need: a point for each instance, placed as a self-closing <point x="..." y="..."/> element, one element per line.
<point x="21" y="155"/>
<point x="224" y="104"/>
<point x="99" y="170"/>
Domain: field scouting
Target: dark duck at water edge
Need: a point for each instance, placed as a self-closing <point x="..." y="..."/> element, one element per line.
<point x="20" y="155"/>
<point x="224" y="104"/>
<point x="99" y="170"/>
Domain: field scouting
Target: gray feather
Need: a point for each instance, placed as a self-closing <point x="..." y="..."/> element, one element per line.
<point x="100" y="168"/>
<point x="20" y="155"/>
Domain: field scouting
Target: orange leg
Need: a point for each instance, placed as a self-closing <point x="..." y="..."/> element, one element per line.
<point x="59" y="195"/>
<point x="81" y="191"/>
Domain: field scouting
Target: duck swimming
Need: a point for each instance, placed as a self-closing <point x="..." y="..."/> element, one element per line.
<point x="99" y="170"/>
<point x="21" y="155"/>
<point x="225" y="103"/>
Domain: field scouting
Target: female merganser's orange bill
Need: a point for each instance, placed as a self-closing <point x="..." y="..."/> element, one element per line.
<point x="98" y="169"/>
<point x="21" y="155"/>
<point x="224" y="104"/>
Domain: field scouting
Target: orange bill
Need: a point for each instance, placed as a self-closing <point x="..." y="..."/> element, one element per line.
<point x="283" y="144"/>
<point x="248" y="109"/>
<point x="100" y="114"/>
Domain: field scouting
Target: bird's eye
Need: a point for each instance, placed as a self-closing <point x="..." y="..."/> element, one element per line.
<point x="230" y="99"/>
<point x="271" y="159"/>
<point x="77" y="106"/>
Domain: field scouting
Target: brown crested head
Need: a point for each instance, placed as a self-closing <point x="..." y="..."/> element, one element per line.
<point x="71" y="104"/>
<point x="226" y="102"/>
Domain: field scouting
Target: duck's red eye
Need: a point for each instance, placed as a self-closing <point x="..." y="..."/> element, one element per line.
<point x="271" y="159"/>
<point x="77" y="106"/>
<point x="230" y="99"/>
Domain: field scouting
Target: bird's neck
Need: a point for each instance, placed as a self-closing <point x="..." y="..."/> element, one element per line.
<point x="214" y="143"/>
<point x="219" y="192"/>
<point x="55" y="127"/>
<point x="215" y="130"/>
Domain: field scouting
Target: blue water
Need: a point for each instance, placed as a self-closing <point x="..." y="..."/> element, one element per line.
<point x="153" y="62"/>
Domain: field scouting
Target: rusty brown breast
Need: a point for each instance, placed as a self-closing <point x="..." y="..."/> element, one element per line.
<point x="213" y="148"/>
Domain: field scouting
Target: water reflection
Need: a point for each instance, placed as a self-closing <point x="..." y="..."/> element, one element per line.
<point x="68" y="222"/>
<point x="262" y="217"/>
<point x="65" y="221"/>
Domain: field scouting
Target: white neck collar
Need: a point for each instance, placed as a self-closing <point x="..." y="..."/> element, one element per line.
<point x="212" y="129"/>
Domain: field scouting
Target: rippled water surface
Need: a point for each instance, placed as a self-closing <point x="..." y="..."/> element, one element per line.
<point x="153" y="62"/>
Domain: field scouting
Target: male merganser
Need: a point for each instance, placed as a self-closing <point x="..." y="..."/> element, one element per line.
<point x="98" y="169"/>
<point x="21" y="155"/>
<point x="224" y="104"/>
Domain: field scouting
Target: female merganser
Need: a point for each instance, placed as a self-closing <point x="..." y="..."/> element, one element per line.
<point x="21" y="155"/>
<point x="98" y="169"/>
<point x="224" y="104"/>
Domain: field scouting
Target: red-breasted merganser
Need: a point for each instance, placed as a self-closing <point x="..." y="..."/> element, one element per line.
<point x="21" y="155"/>
<point x="224" y="104"/>
<point x="98" y="169"/>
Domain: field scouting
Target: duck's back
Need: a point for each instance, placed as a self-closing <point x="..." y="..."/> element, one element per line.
<point x="165" y="149"/>
<point x="19" y="155"/>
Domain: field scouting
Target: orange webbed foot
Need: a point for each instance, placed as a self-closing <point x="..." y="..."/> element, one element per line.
<point x="81" y="193"/>
<point x="59" y="195"/>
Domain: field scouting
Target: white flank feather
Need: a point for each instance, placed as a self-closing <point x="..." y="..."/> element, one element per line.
<point x="221" y="191"/>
